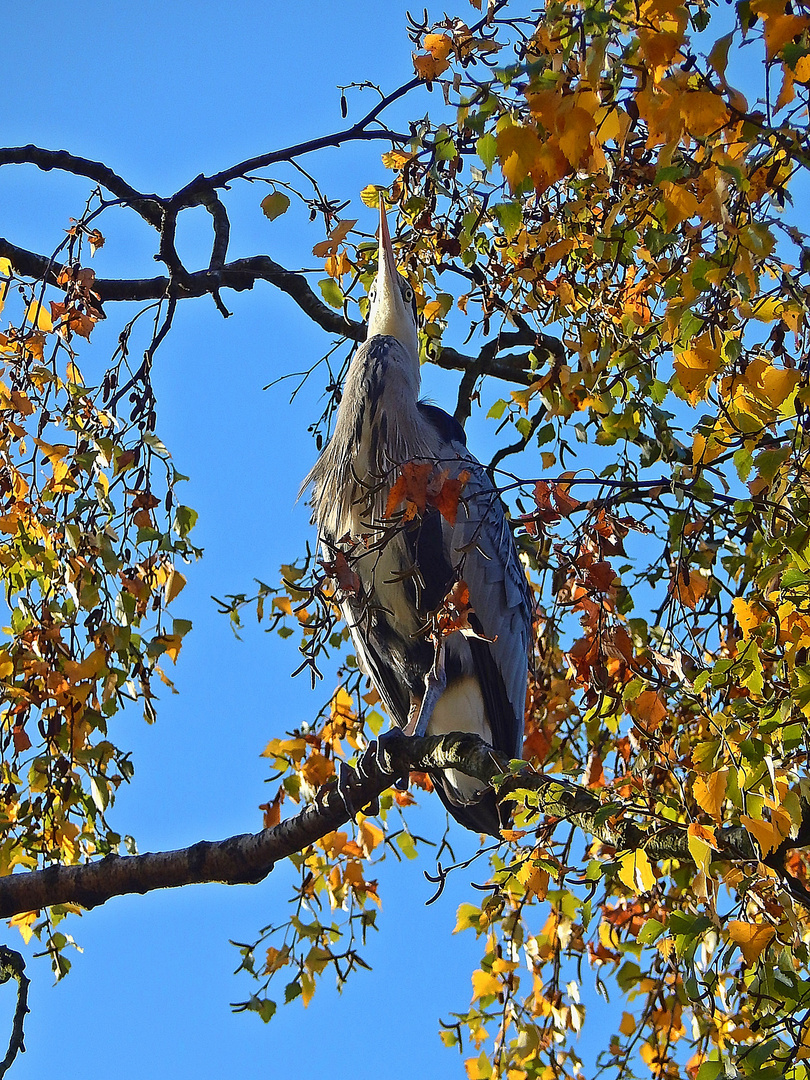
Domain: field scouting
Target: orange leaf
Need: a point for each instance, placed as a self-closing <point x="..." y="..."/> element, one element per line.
<point x="767" y="835"/>
<point x="438" y="45"/>
<point x="410" y="488"/>
<point x="650" y="709"/>
<point x="710" y="791"/>
<point x="753" y="938"/>
<point x="427" y="67"/>
<point x="691" y="589"/>
<point x="446" y="499"/>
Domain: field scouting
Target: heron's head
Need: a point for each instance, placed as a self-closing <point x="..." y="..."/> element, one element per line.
<point x="392" y="305"/>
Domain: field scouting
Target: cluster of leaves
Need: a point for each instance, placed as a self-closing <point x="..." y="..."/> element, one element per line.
<point x="91" y="535"/>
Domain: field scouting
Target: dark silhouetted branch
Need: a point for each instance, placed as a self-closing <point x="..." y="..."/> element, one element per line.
<point x="12" y="966"/>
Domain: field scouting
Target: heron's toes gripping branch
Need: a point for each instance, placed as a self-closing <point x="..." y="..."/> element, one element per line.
<point x="387" y="756"/>
<point x="350" y="789"/>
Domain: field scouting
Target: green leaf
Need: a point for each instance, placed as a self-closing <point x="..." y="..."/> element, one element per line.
<point x="487" y="149"/>
<point x="184" y="520"/>
<point x="330" y="290"/>
<point x="275" y="204"/>
<point x="510" y="218"/>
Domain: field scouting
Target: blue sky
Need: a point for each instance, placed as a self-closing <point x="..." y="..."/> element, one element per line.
<point x="162" y="92"/>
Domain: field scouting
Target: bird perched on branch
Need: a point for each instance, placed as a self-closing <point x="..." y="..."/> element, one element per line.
<point x="429" y="580"/>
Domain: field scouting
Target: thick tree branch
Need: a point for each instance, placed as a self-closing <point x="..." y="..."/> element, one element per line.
<point x="250" y="857"/>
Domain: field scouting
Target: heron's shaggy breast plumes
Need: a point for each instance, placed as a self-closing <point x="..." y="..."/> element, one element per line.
<point x="379" y="427"/>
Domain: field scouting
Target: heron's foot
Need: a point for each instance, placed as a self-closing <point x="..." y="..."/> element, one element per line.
<point x="384" y="754"/>
<point x="349" y="788"/>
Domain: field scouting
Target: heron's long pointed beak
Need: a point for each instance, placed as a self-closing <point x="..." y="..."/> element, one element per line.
<point x="387" y="273"/>
<point x="390" y="315"/>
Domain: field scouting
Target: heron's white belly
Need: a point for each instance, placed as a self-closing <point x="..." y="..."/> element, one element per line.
<point x="461" y="708"/>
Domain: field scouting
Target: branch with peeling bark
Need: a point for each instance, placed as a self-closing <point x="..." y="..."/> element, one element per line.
<point x="250" y="857"/>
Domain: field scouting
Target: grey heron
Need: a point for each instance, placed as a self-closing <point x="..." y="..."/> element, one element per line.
<point x="472" y="679"/>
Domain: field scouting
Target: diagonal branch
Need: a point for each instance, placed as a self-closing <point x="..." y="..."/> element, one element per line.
<point x="250" y="857"/>
<point x="359" y="132"/>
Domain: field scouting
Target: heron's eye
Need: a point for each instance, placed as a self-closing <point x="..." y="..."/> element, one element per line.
<point x="408" y="294"/>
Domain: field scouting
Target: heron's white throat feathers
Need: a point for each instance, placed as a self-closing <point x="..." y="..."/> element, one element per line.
<point x="391" y="311"/>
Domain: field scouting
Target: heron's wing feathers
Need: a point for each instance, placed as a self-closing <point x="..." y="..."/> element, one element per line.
<point x="482" y="552"/>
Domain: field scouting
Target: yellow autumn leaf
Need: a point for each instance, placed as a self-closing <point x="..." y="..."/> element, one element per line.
<point x="25" y="924"/>
<point x="680" y="204"/>
<point x="39" y="316"/>
<point x="370" y="195"/>
<point x="628" y="1024"/>
<point x="703" y="112"/>
<point x="575" y="137"/>
<point x="700" y="842"/>
<point x="438" y="45"/>
<point x="427" y="67"/>
<point x="710" y="791"/>
<point x="636" y="872"/>
<point x="371" y="836"/>
<point x="778" y="384"/>
<point x="696" y="365"/>
<point x="766" y="834"/>
<point x="748" y="615"/>
<point x="307" y="987"/>
<point x="753" y="938"/>
<point x="479" y="1068"/>
<point x="175" y="584"/>
<point x="519" y="150"/>
<point x="484" y="984"/>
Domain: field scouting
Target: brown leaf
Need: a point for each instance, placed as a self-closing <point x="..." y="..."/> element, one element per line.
<point x="595" y="775"/>
<point x="340" y="570"/>
<point x="411" y="489"/>
<point x="564" y="502"/>
<point x="272" y="810"/>
<point x="650" y="709"/>
<point x="446" y="499"/>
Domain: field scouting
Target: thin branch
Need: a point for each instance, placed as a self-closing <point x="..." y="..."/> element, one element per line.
<point x="191" y="194"/>
<point x="148" y="206"/>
